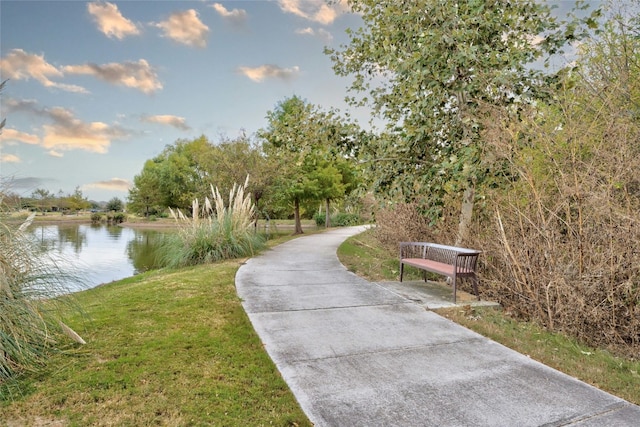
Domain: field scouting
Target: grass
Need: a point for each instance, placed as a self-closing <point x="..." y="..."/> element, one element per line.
<point x="163" y="348"/>
<point x="175" y="347"/>
<point x="616" y="375"/>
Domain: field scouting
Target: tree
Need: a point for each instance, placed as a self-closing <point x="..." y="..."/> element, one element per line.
<point x="302" y="142"/>
<point x="435" y="70"/>
<point x="115" y="205"/>
<point x="76" y="201"/>
<point x="234" y="160"/>
<point x="187" y="170"/>
<point x="145" y="195"/>
<point x="42" y="199"/>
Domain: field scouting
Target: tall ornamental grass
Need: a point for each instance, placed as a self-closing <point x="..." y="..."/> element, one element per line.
<point x="214" y="232"/>
<point x="29" y="326"/>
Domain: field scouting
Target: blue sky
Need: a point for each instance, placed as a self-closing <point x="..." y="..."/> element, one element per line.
<point x="97" y="88"/>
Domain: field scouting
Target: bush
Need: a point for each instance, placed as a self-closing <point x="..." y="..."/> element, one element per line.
<point x="221" y="233"/>
<point x="96" y="218"/>
<point x="401" y="222"/>
<point x="119" y="218"/>
<point x="340" y="219"/>
<point x="345" y="220"/>
<point x="320" y="219"/>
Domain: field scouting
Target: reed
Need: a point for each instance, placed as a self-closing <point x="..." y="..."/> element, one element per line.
<point x="215" y="231"/>
<point x="30" y="328"/>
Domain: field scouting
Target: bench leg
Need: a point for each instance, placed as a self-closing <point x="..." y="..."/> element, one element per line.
<point x="401" y="271"/>
<point x="475" y="287"/>
<point x="454" y="290"/>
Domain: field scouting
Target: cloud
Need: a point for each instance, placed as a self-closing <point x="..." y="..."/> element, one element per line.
<point x="17" y="136"/>
<point x="313" y="10"/>
<point x="69" y="133"/>
<point x="25" y="105"/>
<point x="66" y="132"/>
<point x="186" y="28"/>
<point x="175" y="121"/>
<point x="138" y="75"/>
<point x="20" y="65"/>
<point x="29" y="183"/>
<point x="110" y="21"/>
<point x="236" y="16"/>
<point x="54" y="153"/>
<point x="9" y="158"/>
<point x="258" y="74"/>
<point x="114" y="184"/>
<point x="320" y="33"/>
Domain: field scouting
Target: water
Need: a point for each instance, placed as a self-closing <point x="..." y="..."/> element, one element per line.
<point x="97" y="254"/>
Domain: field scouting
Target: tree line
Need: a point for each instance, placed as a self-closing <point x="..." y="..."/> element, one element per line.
<point x="296" y="164"/>
<point x="43" y="201"/>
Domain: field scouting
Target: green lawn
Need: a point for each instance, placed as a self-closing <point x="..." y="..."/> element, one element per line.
<point x="163" y="348"/>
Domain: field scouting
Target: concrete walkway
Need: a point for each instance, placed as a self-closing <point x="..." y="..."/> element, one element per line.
<point x="356" y="353"/>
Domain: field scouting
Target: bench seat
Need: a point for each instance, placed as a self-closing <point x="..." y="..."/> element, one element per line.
<point x="435" y="266"/>
<point x="450" y="261"/>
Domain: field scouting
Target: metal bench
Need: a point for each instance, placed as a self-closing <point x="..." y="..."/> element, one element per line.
<point x="449" y="261"/>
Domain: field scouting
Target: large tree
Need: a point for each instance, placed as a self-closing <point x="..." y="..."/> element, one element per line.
<point x="434" y="71"/>
<point x="145" y="195"/>
<point x="302" y="141"/>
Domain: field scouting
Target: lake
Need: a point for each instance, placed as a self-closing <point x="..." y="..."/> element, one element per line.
<point x="97" y="254"/>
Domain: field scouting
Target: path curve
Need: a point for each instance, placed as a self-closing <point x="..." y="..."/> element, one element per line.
<point x="356" y="354"/>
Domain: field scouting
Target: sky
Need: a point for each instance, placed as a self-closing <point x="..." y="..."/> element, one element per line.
<point x="97" y="88"/>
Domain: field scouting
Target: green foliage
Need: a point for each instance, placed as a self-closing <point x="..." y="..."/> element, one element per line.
<point x="116" y="218"/>
<point x="145" y="196"/>
<point x="96" y="217"/>
<point x="76" y="201"/>
<point x="114" y="205"/>
<point x="304" y="144"/>
<point x="340" y="219"/>
<point x="343" y="219"/>
<point x="187" y="169"/>
<point x="435" y="72"/>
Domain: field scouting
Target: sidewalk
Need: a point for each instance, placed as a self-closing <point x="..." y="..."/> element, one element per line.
<point x="356" y="353"/>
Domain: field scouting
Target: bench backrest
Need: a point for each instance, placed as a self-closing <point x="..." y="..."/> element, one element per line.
<point x="464" y="259"/>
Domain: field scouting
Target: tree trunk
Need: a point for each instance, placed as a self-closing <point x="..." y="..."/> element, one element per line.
<point x="327" y="221"/>
<point x="466" y="214"/>
<point x="296" y="215"/>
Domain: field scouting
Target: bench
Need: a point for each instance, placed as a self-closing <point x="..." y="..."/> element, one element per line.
<point x="449" y="261"/>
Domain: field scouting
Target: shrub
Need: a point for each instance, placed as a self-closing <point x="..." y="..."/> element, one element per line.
<point x="401" y="222"/>
<point x="343" y="219"/>
<point x="119" y="218"/>
<point x="319" y="219"/>
<point x="214" y="233"/>
<point x="29" y="327"/>
<point x="96" y="218"/>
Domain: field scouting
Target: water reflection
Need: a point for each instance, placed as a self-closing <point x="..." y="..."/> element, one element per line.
<point x="97" y="254"/>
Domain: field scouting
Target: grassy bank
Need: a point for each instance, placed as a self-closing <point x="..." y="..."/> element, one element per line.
<point x="616" y="375"/>
<point x="163" y="348"/>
